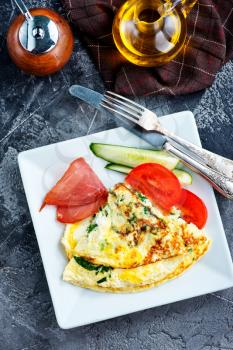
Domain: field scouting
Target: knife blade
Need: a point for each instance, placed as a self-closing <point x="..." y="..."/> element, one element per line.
<point x="94" y="99"/>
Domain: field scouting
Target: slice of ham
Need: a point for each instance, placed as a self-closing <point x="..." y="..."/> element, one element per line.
<point x="70" y="215"/>
<point x="77" y="187"/>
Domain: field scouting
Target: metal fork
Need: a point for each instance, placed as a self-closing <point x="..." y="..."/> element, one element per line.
<point x="216" y="169"/>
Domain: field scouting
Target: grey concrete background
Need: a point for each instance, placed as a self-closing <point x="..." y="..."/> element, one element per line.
<point x="36" y="112"/>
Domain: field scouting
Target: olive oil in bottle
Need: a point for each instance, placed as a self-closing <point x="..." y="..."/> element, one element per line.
<point x="151" y="32"/>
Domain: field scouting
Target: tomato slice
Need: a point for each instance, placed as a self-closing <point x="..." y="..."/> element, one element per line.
<point x="193" y="209"/>
<point x="70" y="215"/>
<point x="156" y="182"/>
<point x="78" y="186"/>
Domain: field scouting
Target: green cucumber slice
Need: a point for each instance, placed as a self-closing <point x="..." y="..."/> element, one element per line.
<point x="131" y="157"/>
<point x="180" y="166"/>
<point x="184" y="177"/>
<point x="119" y="168"/>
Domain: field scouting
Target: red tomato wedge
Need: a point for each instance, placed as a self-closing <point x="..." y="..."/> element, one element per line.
<point x="77" y="187"/>
<point x="70" y="215"/>
<point x="193" y="209"/>
<point x="156" y="182"/>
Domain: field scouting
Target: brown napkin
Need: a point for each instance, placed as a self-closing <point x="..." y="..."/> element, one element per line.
<point x="209" y="46"/>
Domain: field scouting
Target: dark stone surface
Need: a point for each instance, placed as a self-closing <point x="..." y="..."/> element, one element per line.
<point x="35" y="112"/>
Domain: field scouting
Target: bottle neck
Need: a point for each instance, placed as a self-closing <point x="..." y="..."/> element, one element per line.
<point x="148" y="19"/>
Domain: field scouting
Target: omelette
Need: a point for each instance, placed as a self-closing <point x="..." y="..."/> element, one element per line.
<point x="130" y="244"/>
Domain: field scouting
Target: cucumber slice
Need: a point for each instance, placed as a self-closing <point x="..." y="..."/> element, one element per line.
<point x="184" y="177"/>
<point x="119" y="168"/>
<point x="180" y="166"/>
<point x="131" y="157"/>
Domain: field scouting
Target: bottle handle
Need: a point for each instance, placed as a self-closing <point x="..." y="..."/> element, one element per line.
<point x="185" y="5"/>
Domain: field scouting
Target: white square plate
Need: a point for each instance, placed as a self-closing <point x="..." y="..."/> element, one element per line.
<point x="41" y="167"/>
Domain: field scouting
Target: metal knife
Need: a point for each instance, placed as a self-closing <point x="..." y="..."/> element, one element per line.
<point x="221" y="183"/>
<point x="94" y="99"/>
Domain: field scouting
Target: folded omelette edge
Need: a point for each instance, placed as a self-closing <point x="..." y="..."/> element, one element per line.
<point x="135" y="279"/>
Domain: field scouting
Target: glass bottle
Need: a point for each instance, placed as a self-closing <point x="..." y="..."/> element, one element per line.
<point x="151" y="32"/>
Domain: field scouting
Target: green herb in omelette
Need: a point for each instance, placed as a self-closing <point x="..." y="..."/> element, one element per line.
<point x="91" y="227"/>
<point x="91" y="267"/>
<point x="140" y="196"/>
<point x="132" y="219"/>
<point x="146" y="210"/>
<point x="85" y="264"/>
<point x="104" y="244"/>
<point x="104" y="279"/>
<point x="102" y="269"/>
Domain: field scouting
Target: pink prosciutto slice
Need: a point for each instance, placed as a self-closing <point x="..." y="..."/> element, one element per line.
<point x="70" y="215"/>
<point x="77" y="187"/>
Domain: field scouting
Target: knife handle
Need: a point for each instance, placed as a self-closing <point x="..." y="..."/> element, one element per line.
<point x="213" y="160"/>
<point x="220" y="182"/>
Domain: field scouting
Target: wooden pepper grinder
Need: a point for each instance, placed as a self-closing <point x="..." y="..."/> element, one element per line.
<point x="39" y="41"/>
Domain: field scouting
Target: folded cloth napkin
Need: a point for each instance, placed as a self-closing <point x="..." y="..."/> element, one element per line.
<point x="209" y="46"/>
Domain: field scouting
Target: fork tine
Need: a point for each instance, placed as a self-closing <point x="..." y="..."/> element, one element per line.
<point x="126" y="99"/>
<point x="128" y="105"/>
<point x="103" y="104"/>
<point x="116" y="105"/>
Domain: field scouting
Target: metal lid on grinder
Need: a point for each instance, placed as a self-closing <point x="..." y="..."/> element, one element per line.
<point x="38" y="34"/>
